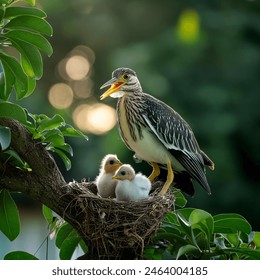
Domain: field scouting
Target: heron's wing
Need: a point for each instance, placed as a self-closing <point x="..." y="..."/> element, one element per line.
<point x="192" y="164"/>
<point x="176" y="135"/>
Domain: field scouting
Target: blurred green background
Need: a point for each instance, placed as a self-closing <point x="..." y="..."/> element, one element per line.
<point x="200" y="57"/>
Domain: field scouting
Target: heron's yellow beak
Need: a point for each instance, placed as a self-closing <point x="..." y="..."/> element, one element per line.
<point x="114" y="84"/>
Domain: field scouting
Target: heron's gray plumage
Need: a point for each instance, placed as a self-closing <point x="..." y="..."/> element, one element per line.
<point x="176" y="135"/>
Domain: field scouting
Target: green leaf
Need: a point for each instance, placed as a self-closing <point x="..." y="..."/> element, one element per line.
<point x="5" y="137"/>
<point x="184" y="214"/>
<point x="171" y="218"/>
<point x="180" y="199"/>
<point x="2" y="86"/>
<point x="256" y="239"/>
<point x="31" y="2"/>
<point x="31" y="86"/>
<point x="35" y="39"/>
<point x="16" y="160"/>
<point x="171" y="224"/>
<point x="55" y="140"/>
<point x="202" y="220"/>
<point x="152" y="253"/>
<point x="187" y="250"/>
<point x="68" y="130"/>
<point x="168" y="228"/>
<point x="9" y="216"/>
<point x="13" y="69"/>
<point x="51" y="132"/>
<point x="47" y="213"/>
<point x="183" y="217"/>
<point x="31" y="122"/>
<point x="69" y="245"/>
<point x="83" y="246"/>
<point x="233" y="239"/>
<point x="31" y="23"/>
<point x="2" y="13"/>
<point x="31" y="58"/>
<point x="190" y="223"/>
<point x="231" y="223"/>
<point x="173" y="238"/>
<point x="11" y="12"/>
<point x="63" y="233"/>
<point x="13" y="111"/>
<point x="19" y="255"/>
<point x="62" y="155"/>
<point x="54" y="122"/>
<point x="7" y="82"/>
<point x="67" y="148"/>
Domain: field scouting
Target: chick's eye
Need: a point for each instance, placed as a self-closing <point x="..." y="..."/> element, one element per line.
<point x="111" y="162"/>
<point x="126" y="76"/>
<point x="123" y="173"/>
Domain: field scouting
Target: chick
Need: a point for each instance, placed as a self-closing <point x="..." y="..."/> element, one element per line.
<point x="131" y="186"/>
<point x="105" y="183"/>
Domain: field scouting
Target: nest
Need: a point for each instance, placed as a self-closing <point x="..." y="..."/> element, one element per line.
<point x="119" y="230"/>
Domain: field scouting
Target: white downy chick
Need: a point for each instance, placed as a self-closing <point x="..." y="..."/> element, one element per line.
<point x="131" y="186"/>
<point x="105" y="183"/>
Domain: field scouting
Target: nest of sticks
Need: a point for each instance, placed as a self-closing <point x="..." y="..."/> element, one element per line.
<point x="119" y="230"/>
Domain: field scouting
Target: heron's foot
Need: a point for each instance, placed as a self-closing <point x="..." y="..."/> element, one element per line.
<point x="169" y="180"/>
<point x="156" y="171"/>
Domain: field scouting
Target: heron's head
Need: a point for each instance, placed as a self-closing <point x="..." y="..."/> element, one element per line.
<point x="124" y="80"/>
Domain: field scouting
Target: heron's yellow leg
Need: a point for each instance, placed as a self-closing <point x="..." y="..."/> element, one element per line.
<point x="155" y="172"/>
<point x="169" y="180"/>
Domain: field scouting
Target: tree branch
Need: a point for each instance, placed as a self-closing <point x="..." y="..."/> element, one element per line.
<point x="44" y="183"/>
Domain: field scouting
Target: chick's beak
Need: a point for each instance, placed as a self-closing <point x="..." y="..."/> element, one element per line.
<point x="114" y="84"/>
<point x="116" y="177"/>
<point x="117" y="165"/>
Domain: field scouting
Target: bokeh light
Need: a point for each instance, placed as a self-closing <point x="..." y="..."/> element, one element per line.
<point x="188" y="27"/>
<point x="60" y="96"/>
<point x="96" y="119"/>
<point x="82" y="89"/>
<point x="84" y="51"/>
<point x="77" y="67"/>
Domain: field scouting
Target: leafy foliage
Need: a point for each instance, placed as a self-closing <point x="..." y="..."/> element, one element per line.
<point x="23" y="30"/>
<point x="51" y="132"/>
<point x="191" y="233"/>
